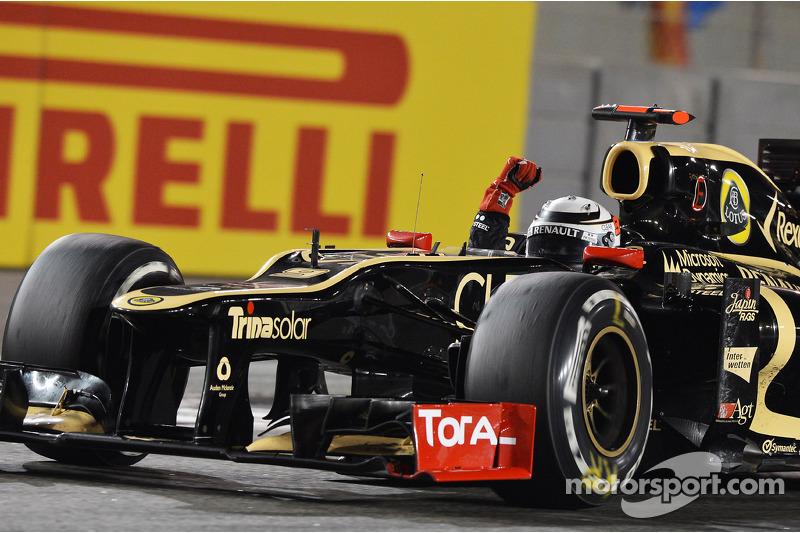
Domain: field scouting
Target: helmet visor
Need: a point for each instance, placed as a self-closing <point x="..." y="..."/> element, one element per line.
<point x="562" y="248"/>
<point x="563" y="243"/>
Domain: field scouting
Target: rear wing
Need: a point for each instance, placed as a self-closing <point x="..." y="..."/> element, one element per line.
<point x="642" y="121"/>
<point x="780" y="160"/>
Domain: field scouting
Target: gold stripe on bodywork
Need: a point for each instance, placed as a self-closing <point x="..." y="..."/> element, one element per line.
<point x="63" y="420"/>
<point x="173" y="302"/>
<point x="766" y="421"/>
<point x="341" y="445"/>
<point x="760" y="262"/>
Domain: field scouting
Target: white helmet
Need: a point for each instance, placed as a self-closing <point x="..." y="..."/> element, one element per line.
<point x="567" y="225"/>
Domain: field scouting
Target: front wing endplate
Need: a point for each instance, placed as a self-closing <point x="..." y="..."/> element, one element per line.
<point x="474" y="441"/>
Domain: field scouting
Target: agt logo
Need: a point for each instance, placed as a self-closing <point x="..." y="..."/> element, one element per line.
<point x="735" y="412"/>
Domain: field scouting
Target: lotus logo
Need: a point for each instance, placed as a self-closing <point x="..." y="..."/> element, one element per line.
<point x="734" y="206"/>
<point x="145" y="300"/>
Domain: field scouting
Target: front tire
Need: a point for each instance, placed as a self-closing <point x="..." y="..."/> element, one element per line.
<point x="60" y="316"/>
<point x="572" y="345"/>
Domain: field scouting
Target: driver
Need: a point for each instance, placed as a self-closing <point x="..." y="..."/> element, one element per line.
<point x="561" y="229"/>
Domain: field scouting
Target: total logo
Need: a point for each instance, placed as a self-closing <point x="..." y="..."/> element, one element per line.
<point x="450" y="431"/>
<point x="265" y="327"/>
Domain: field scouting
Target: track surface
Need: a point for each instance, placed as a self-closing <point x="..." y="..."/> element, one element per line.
<point x="182" y="494"/>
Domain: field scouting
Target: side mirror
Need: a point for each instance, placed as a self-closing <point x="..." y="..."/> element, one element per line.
<point x="619" y="257"/>
<point x="409" y="239"/>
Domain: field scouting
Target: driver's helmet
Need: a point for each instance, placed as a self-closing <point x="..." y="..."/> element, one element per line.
<point x="567" y="225"/>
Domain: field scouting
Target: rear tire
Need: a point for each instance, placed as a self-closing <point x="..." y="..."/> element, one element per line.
<point x="572" y="345"/>
<point x="60" y="316"/>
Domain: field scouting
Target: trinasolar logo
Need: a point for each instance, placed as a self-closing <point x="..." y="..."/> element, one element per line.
<point x="265" y="327"/>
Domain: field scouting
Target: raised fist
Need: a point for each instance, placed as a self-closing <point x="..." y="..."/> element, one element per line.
<point x="517" y="175"/>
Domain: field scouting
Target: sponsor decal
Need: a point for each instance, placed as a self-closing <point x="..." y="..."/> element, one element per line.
<point x="770" y="447"/>
<point x="685" y="261"/>
<point x="142" y="301"/>
<point x="475" y="277"/>
<point x="450" y="431"/>
<point x="739" y="361"/>
<point x="786" y="231"/>
<point x="478" y="223"/>
<point x="224" y="369"/>
<point x="223" y="374"/>
<point x="223" y="390"/>
<point x="265" y="327"/>
<point x="747" y="308"/>
<point x="734" y="206"/>
<point x="466" y="441"/>
<point x="575" y="233"/>
<point x="766" y="279"/>
<point x="503" y="199"/>
<point x="735" y="412"/>
<point x="709" y="291"/>
<point x="726" y="410"/>
<point x="301" y="273"/>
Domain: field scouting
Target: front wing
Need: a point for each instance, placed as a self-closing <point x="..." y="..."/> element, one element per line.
<point x="403" y="439"/>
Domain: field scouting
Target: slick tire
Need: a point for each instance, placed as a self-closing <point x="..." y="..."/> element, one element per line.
<point x="60" y="316"/>
<point x="572" y="345"/>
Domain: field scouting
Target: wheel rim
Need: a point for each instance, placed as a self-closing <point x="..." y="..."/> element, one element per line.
<point x="611" y="391"/>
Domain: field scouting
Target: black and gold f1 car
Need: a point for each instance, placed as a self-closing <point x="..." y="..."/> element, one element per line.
<point x="685" y="337"/>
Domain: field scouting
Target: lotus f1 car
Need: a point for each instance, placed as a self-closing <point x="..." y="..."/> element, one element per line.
<point x="683" y="338"/>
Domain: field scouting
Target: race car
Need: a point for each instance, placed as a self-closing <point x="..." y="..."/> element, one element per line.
<point x="465" y="364"/>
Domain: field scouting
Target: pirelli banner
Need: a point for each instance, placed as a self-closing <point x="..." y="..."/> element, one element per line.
<point x="221" y="131"/>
